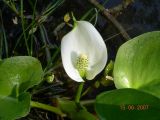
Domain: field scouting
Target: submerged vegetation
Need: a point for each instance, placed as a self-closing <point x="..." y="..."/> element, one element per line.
<point x="79" y="60"/>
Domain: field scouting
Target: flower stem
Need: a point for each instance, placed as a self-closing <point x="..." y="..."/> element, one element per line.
<point x="47" y="107"/>
<point x="74" y="19"/>
<point x="79" y="91"/>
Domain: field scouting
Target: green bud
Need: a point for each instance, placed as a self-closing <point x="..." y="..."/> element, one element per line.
<point x="50" y="78"/>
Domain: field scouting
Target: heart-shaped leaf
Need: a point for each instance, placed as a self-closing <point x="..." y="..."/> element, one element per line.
<point x="137" y="64"/>
<point x="127" y="104"/>
<point x="17" y="74"/>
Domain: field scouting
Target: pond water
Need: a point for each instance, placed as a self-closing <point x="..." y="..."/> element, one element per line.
<point x="143" y="16"/>
<point x="139" y="17"/>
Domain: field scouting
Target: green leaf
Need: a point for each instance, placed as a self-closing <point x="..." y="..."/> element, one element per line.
<point x="127" y="104"/>
<point x="13" y="108"/>
<point x="17" y="74"/>
<point x="74" y="112"/>
<point x="137" y="64"/>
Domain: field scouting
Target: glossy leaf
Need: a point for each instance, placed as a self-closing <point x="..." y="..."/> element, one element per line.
<point x="17" y="74"/>
<point x="137" y="64"/>
<point x="127" y="104"/>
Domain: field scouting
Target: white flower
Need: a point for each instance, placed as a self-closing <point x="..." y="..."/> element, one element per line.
<point x="83" y="51"/>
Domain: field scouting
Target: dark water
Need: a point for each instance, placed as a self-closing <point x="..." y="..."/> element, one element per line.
<point x="139" y="17"/>
<point x="143" y="16"/>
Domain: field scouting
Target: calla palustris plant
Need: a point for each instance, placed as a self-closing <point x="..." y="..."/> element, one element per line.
<point x="84" y="53"/>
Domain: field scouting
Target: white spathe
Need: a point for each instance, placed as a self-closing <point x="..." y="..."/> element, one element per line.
<point x="83" y="39"/>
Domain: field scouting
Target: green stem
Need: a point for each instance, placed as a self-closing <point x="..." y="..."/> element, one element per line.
<point x="47" y="107"/>
<point x="79" y="91"/>
<point x="23" y="27"/>
<point x="87" y="102"/>
<point x="74" y="20"/>
<point x="12" y="7"/>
